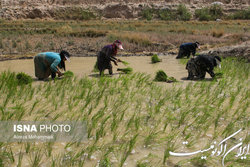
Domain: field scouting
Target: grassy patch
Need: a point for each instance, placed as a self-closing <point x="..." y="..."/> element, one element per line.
<point x="209" y="13"/>
<point x="242" y="14"/>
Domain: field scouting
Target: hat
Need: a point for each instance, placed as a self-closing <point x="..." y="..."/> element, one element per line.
<point x="118" y="43"/>
<point x="65" y="54"/>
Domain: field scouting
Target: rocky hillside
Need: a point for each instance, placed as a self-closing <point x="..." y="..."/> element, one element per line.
<point x="25" y="9"/>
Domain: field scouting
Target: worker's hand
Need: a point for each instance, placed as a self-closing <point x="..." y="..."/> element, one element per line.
<point x="115" y="63"/>
<point x="119" y="60"/>
<point x="60" y="74"/>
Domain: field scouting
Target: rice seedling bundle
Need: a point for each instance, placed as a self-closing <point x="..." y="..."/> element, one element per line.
<point x="68" y="74"/>
<point x="161" y="76"/>
<point x="23" y="79"/>
<point x="155" y="59"/>
<point x="127" y="70"/>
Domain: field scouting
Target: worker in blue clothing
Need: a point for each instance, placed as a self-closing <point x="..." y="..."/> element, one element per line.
<point x="48" y="63"/>
<point x="186" y="49"/>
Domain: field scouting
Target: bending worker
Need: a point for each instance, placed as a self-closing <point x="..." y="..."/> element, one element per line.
<point x="186" y="49"/>
<point x="106" y="55"/>
<point x="48" y="63"/>
<point x="202" y="64"/>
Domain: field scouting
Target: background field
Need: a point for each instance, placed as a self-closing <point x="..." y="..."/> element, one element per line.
<point x="83" y="38"/>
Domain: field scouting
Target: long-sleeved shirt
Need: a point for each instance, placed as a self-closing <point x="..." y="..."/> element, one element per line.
<point x="190" y="47"/>
<point x="53" y="58"/>
<point x="110" y="52"/>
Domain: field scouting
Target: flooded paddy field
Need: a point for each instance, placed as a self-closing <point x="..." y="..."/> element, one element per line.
<point x="131" y="120"/>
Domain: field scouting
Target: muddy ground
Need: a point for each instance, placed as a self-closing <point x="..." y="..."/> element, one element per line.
<point x="83" y="66"/>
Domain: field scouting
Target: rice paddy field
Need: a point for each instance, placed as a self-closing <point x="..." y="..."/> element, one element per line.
<point x="132" y="120"/>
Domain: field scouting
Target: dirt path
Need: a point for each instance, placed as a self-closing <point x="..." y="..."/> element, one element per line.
<point x="84" y="65"/>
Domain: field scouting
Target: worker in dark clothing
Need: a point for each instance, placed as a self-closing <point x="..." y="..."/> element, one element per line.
<point x="198" y="66"/>
<point x="186" y="49"/>
<point x="106" y="55"/>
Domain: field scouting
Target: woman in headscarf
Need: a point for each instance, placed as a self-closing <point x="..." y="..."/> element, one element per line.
<point x="202" y="64"/>
<point x="186" y="49"/>
<point x="48" y="63"/>
<point x="106" y="55"/>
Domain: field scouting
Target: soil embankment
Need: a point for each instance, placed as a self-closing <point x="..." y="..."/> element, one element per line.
<point x="31" y="9"/>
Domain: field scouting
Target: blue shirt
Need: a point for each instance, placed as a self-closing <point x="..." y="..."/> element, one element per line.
<point x="53" y="58"/>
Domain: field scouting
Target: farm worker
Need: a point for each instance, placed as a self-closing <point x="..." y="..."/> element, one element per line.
<point x="48" y="63"/>
<point x="201" y="64"/>
<point x="106" y="55"/>
<point x="186" y="49"/>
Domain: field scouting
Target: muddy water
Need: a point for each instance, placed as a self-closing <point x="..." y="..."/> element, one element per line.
<point x="84" y="65"/>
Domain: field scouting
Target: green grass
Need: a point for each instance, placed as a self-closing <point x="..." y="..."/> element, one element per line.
<point x="129" y="112"/>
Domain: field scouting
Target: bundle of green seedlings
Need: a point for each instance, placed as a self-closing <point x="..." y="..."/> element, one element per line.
<point x="23" y="79"/>
<point x="155" y="59"/>
<point x="127" y="70"/>
<point x="68" y="74"/>
<point x="161" y="76"/>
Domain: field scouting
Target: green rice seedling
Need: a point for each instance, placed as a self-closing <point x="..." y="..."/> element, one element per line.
<point x="95" y="69"/>
<point x="49" y="149"/>
<point x="124" y="63"/>
<point x="171" y="79"/>
<point x="20" y="158"/>
<point x="35" y="158"/>
<point x="129" y="146"/>
<point x="68" y="74"/>
<point x="33" y="106"/>
<point x="161" y="76"/>
<point x="127" y="70"/>
<point x="27" y="148"/>
<point x="23" y="78"/>
<point x="155" y="59"/>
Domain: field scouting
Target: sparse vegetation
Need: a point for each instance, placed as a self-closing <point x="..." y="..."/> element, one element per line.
<point x="217" y="33"/>
<point x="182" y="13"/>
<point x="209" y="13"/>
<point x="242" y="14"/>
<point x="74" y="14"/>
